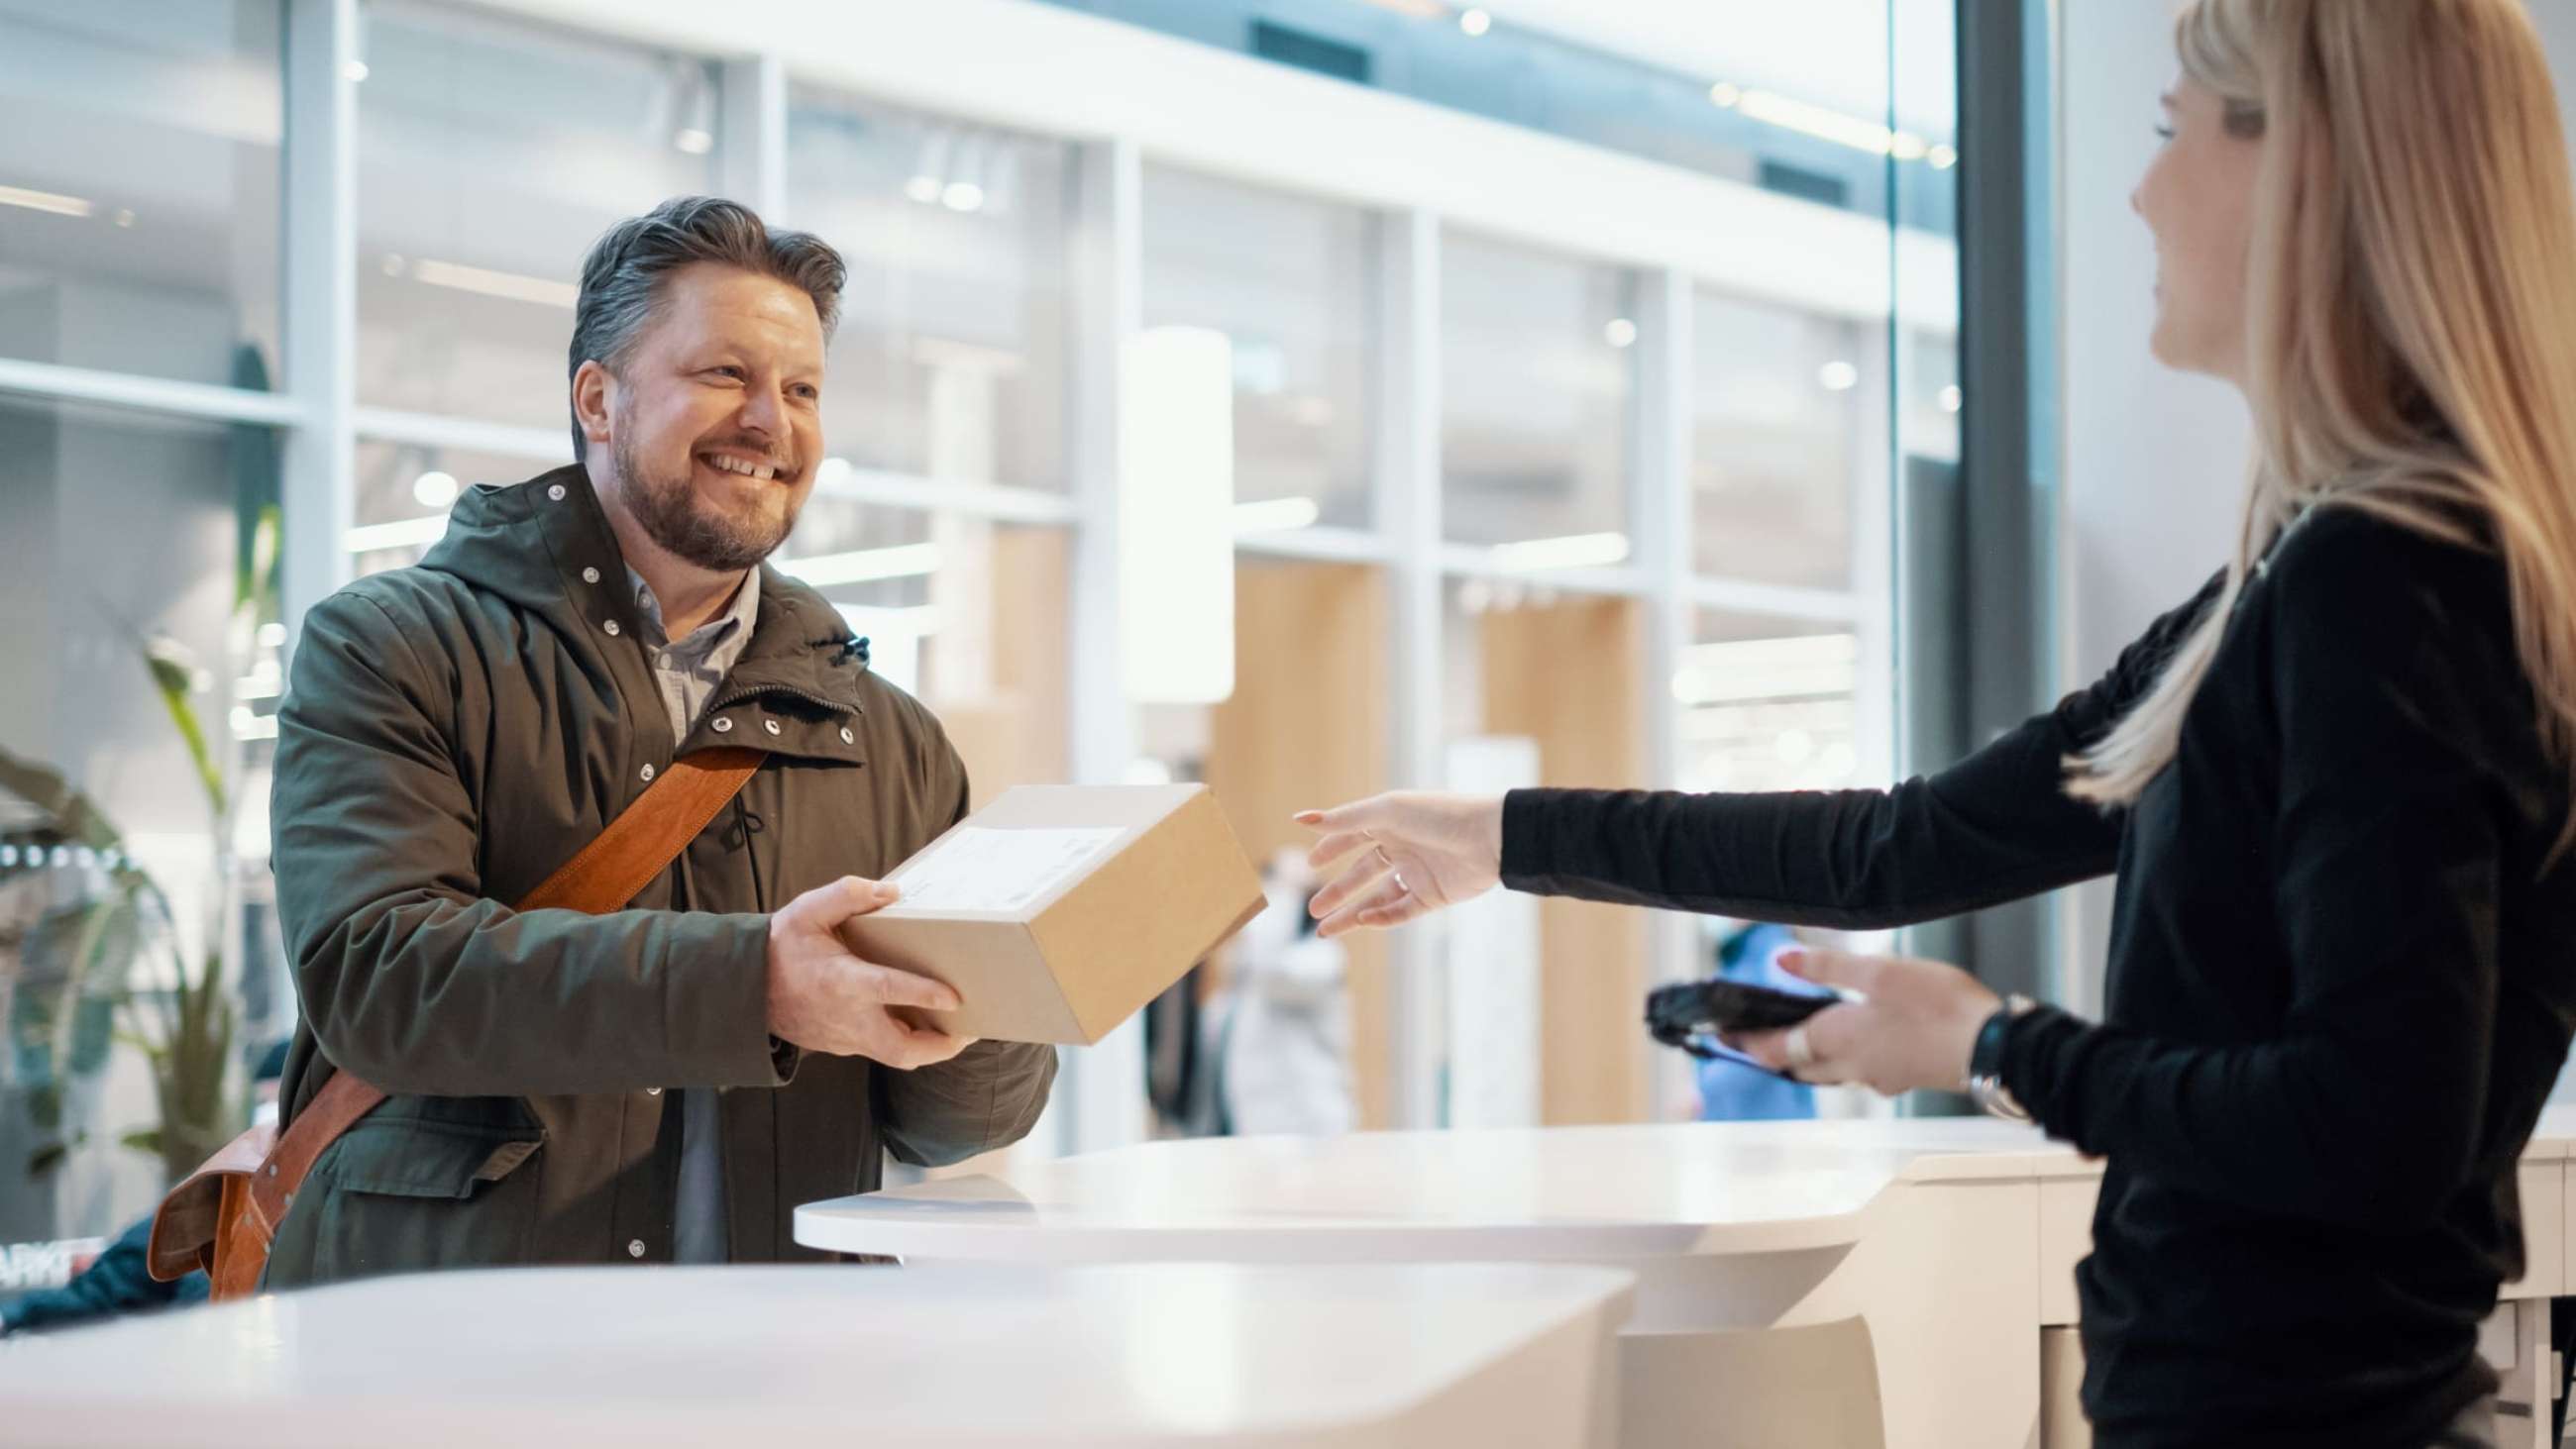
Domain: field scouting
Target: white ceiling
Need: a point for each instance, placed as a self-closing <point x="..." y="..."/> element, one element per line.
<point x="1831" y="52"/>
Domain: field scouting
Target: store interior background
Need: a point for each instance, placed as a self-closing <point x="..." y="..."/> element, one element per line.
<point x="1589" y="373"/>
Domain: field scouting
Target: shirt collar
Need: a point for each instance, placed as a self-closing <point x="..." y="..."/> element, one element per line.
<point x="735" y="623"/>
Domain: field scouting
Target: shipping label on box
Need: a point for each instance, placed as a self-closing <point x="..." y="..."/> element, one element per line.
<point x="1058" y="911"/>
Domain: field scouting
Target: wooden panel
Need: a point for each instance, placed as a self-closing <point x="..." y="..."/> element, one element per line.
<point x="1014" y="734"/>
<point x="1571" y="675"/>
<point x="2062" y="1424"/>
<point x="2543" y="1185"/>
<point x="1307" y="727"/>
<point x="2065" y="1237"/>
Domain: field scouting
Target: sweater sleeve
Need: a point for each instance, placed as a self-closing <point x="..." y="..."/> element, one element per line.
<point x="1995" y="827"/>
<point x="2394" y="715"/>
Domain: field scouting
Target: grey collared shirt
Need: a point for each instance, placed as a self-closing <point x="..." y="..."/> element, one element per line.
<point x="687" y="672"/>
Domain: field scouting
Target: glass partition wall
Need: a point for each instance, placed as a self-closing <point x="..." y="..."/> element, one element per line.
<point x="1587" y="474"/>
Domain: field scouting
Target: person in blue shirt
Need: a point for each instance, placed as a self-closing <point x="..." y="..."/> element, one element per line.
<point x="118" y="1281"/>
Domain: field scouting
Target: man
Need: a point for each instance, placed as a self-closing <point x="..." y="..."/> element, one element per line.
<point x="666" y="1083"/>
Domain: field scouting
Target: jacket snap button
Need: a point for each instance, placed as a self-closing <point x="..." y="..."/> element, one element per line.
<point x="722" y="725"/>
<point x="648" y="774"/>
<point x="770" y="725"/>
<point x="611" y="627"/>
<point x="848" y="738"/>
<point x="590" y="576"/>
<point x="635" y="1249"/>
<point x="555" y="492"/>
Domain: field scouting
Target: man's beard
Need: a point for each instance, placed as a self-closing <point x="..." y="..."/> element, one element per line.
<point x="673" y="516"/>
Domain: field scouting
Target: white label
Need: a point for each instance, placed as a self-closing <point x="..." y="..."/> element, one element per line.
<point x="975" y="869"/>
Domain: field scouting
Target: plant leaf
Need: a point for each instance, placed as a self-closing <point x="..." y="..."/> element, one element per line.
<point x="173" y="679"/>
<point x="46" y="1158"/>
<point x="147" y="1139"/>
<point x="74" y="814"/>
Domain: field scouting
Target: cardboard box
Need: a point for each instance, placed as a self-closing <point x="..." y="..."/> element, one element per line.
<point x="1058" y="911"/>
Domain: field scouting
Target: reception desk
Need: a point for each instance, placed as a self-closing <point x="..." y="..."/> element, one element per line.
<point x="1785" y="1270"/>
<point x="956" y="1356"/>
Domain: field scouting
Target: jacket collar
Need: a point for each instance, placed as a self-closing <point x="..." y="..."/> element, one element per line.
<point x="545" y="547"/>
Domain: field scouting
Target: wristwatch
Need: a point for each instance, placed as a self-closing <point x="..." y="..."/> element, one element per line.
<point x="1986" y="1063"/>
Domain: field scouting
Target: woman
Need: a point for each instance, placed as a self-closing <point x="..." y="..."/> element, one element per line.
<point x="2335" y="785"/>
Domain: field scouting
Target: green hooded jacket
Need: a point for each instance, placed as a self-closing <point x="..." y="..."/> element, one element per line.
<point x="454" y="732"/>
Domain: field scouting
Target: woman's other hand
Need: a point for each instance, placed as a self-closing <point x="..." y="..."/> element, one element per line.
<point x="1403" y="856"/>
<point x="1913" y="1024"/>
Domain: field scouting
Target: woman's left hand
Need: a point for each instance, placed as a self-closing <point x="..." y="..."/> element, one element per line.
<point x="1915" y="1028"/>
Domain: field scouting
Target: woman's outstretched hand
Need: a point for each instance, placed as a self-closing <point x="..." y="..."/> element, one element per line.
<point x="1404" y="855"/>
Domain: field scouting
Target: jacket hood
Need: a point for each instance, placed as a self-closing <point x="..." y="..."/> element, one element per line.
<point x="544" y="546"/>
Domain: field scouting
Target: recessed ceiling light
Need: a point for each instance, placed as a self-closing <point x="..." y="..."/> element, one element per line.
<point x="1620" y="333"/>
<point x="1838" y="376"/>
<point x="434" y="489"/>
<point x="1475" y="22"/>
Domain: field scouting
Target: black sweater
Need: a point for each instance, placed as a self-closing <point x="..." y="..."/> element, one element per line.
<point x="2341" y="980"/>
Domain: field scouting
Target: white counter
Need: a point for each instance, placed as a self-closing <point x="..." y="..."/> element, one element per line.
<point x="954" y="1356"/>
<point x="1950" y="1244"/>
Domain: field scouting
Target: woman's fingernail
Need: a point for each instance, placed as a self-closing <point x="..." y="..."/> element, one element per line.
<point x="1310" y="817"/>
<point x="1793" y="962"/>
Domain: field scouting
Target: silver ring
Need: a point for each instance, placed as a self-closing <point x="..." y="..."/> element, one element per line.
<point x="1400" y="887"/>
<point x="1802" y="1054"/>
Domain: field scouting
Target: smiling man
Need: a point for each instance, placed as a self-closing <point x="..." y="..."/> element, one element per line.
<point x="667" y="1082"/>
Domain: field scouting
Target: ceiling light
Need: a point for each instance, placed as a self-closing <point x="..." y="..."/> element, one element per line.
<point x="1725" y="94"/>
<point x="1276" y="515"/>
<point x="124" y="216"/>
<point x="1952" y="399"/>
<point x="1838" y="376"/>
<point x="52" y="201"/>
<point x="1942" y="157"/>
<point x="1905" y="146"/>
<point x="434" y="489"/>
<point x="1819" y="122"/>
<point x="1176" y="517"/>
<point x="510" y="285"/>
<point x="272" y="635"/>
<point x="962" y="196"/>
<point x="1576" y="551"/>
<point x="410" y="533"/>
<point x="864" y="566"/>
<point x="924" y="189"/>
<point x="1620" y="333"/>
<point x="1475" y="22"/>
<point x="693" y="140"/>
<point x="355" y="70"/>
<point x="832" y="472"/>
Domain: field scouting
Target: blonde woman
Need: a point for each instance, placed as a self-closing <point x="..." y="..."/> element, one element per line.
<point x="2335" y="785"/>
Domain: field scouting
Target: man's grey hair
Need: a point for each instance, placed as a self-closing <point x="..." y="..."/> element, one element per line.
<point x="621" y="280"/>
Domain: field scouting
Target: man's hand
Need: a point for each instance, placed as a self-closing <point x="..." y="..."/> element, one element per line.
<point x="824" y="999"/>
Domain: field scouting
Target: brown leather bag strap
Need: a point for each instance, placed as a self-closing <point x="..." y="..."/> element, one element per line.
<point x="643" y="841"/>
<point x="602" y="877"/>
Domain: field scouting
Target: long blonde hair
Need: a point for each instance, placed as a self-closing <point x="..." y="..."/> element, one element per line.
<point x="2411" y="312"/>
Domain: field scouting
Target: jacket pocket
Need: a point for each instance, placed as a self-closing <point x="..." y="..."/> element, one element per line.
<point x="405" y="1191"/>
